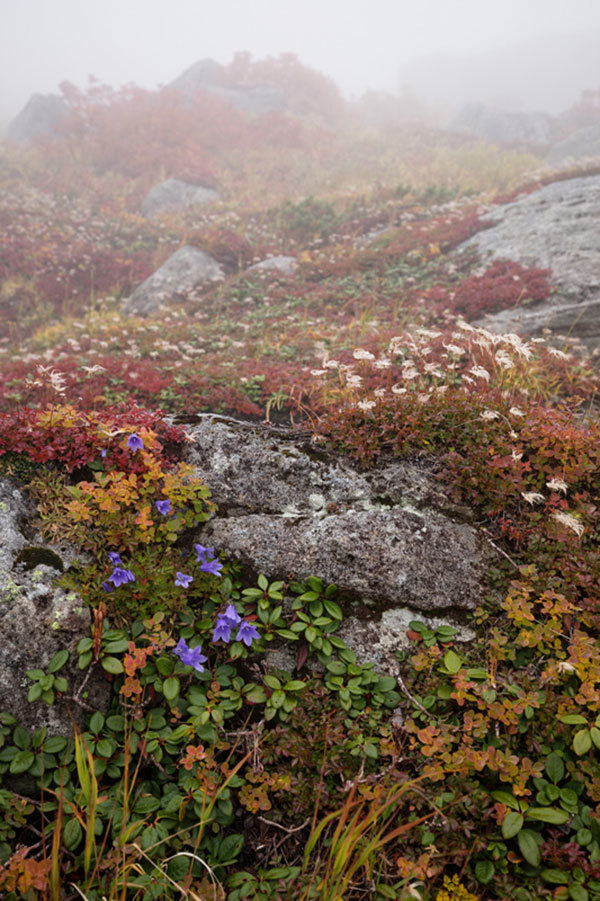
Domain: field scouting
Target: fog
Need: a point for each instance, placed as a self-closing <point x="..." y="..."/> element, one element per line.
<point x="522" y="53"/>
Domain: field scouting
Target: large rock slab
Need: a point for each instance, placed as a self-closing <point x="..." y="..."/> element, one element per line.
<point x="42" y="115"/>
<point x="387" y="537"/>
<point x="583" y="146"/>
<point x="531" y="129"/>
<point x="37" y="619"/>
<point x="207" y="76"/>
<point x="553" y="228"/>
<point x="285" y="265"/>
<point x="174" y="195"/>
<point x="179" y="277"/>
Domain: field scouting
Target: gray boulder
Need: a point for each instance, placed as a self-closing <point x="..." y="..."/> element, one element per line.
<point x="175" y="195"/>
<point x="386" y="538"/>
<point x="41" y="115"/>
<point x="534" y="129"/>
<point x="37" y="619"/>
<point x="176" y="280"/>
<point x="580" y="147"/>
<point x="554" y="228"/>
<point x="284" y="265"/>
<point x="206" y="76"/>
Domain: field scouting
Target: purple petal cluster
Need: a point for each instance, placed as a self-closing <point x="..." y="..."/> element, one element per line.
<point x="190" y="656"/>
<point x="114" y="558"/>
<point x="225" y="623"/>
<point x="164" y="507"/>
<point x="134" y="443"/>
<point x="213" y="567"/>
<point x="121" y="576"/>
<point x="183" y="580"/>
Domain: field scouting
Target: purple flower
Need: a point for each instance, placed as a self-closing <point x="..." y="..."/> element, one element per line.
<point x="164" y="507"/>
<point x="121" y="576"/>
<point x="107" y="587"/>
<point x="203" y="552"/>
<point x="103" y="452"/>
<point x="114" y="558"/>
<point x="213" y="567"/>
<point x="134" y="442"/>
<point x="222" y="630"/>
<point x="231" y="615"/>
<point x="182" y="579"/>
<point x="190" y="656"/>
<point x="247" y="633"/>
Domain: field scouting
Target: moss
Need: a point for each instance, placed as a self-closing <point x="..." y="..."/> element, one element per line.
<point x="30" y="557"/>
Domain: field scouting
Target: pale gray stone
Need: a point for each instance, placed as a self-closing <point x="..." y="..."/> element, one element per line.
<point x="174" y="195"/>
<point x="184" y="272"/>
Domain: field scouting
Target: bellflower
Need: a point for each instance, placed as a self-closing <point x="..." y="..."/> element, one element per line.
<point x="203" y="552"/>
<point x="213" y="567"/>
<point x="182" y="579"/>
<point x="114" y="558"/>
<point x="107" y="587"/>
<point x="121" y="576"/>
<point x="222" y="630"/>
<point x="163" y="507"/>
<point x="247" y="633"/>
<point x="134" y="443"/>
<point x="231" y="615"/>
<point x="190" y="656"/>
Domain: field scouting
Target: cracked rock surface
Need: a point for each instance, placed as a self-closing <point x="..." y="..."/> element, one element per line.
<point x="553" y="228"/>
<point x="37" y="619"/>
<point x="390" y="537"/>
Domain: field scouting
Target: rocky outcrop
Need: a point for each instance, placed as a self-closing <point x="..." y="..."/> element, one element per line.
<point x="187" y="270"/>
<point x="582" y="146"/>
<point x="556" y="228"/>
<point x="41" y="115"/>
<point x="207" y="76"/>
<point x="389" y="538"/>
<point x="532" y="129"/>
<point x="37" y="619"/>
<point x="282" y="264"/>
<point x="174" y="195"/>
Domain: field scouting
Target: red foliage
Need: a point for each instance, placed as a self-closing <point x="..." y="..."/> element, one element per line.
<point x="503" y="284"/>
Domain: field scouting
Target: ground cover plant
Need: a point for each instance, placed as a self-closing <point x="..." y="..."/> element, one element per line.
<point x="213" y="774"/>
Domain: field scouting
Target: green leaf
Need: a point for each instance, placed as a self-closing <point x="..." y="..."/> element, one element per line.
<point x="272" y="682"/>
<point x="171" y="688"/>
<point x="336" y="667"/>
<point x="72" y="834"/>
<point x="573" y="719"/>
<point x="61" y="684"/>
<point x="85" y="644"/>
<point x="55" y="745"/>
<point x="85" y="660"/>
<point x="334" y="610"/>
<point x="96" y="722"/>
<point x="277" y="698"/>
<point x="256" y="695"/>
<point x="21" y="738"/>
<point x="230" y="848"/>
<point x="112" y="665"/>
<point x="512" y="824"/>
<point x="294" y="685"/>
<point x="262" y="582"/>
<point x="311" y="633"/>
<point x="34" y="692"/>
<point x="555" y="767"/>
<point x="582" y="742"/>
<point x="578" y="893"/>
<point x="556" y="877"/>
<point x="116" y="647"/>
<point x="21" y="762"/>
<point x="386" y="683"/>
<point x="452" y="662"/>
<point x="59" y="659"/>
<point x="595" y="736"/>
<point x="548" y="815"/>
<point x="529" y="847"/>
<point x="104" y="748"/>
<point x="484" y="871"/>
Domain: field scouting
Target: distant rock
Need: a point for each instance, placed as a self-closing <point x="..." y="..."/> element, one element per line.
<point x="284" y="265"/>
<point x="389" y="538"/>
<point x="37" y="619"/>
<point x="207" y="75"/>
<point x="581" y="146"/>
<point x="184" y="272"/>
<point x="174" y="195"/>
<point x="41" y="115"/>
<point x="533" y="129"/>
<point x="555" y="227"/>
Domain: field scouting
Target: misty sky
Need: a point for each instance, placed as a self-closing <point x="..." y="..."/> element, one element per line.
<point x="361" y="44"/>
